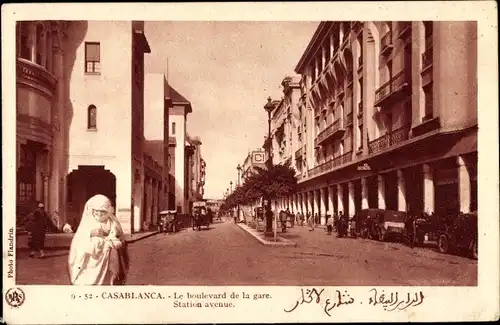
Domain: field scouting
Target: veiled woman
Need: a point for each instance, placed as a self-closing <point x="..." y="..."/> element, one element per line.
<point x="98" y="254"/>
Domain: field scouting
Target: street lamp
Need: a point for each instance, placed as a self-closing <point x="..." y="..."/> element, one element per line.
<point x="231" y="186"/>
<point x="239" y="171"/>
<point x="269" y="222"/>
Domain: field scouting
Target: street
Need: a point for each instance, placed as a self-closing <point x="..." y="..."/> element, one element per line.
<point x="226" y="255"/>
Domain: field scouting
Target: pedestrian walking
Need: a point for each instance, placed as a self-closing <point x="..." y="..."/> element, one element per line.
<point x="310" y="222"/>
<point x="329" y="223"/>
<point x="98" y="254"/>
<point x="37" y="227"/>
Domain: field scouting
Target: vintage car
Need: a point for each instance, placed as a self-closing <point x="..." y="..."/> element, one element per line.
<point x="169" y="222"/>
<point x="380" y="224"/>
<point x="460" y="234"/>
<point x="200" y="216"/>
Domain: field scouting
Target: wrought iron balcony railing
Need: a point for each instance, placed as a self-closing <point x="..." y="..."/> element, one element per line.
<point x="389" y="139"/>
<point x="348" y="120"/>
<point x="386" y="43"/>
<point x="331" y="164"/>
<point x="329" y="131"/>
<point x="404" y="27"/>
<point x="298" y="153"/>
<point x="397" y="82"/>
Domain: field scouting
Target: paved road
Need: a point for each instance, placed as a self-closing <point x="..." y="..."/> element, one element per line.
<point x="227" y="255"/>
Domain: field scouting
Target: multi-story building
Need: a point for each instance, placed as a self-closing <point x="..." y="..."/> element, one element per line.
<point x="194" y="181"/>
<point x="73" y="80"/>
<point x="389" y="116"/>
<point x="255" y="158"/>
<point x="156" y="133"/>
<point x="181" y="107"/>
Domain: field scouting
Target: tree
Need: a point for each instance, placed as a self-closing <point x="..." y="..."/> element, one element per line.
<point x="273" y="183"/>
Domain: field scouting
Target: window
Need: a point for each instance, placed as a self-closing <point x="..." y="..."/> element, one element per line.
<point x="92" y="117"/>
<point x="360" y="136"/>
<point x="92" y="57"/>
<point x="39" y="45"/>
<point x="173" y="128"/>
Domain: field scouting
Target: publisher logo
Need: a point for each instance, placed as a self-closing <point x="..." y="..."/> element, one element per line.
<point x="14" y="297"/>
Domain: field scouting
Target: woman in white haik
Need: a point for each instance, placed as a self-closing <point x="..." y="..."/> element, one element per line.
<point x="98" y="255"/>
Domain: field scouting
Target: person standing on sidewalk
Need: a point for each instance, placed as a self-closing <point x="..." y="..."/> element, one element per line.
<point x="329" y="223"/>
<point x="37" y="227"/>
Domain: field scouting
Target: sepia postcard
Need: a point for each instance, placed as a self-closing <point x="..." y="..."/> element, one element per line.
<point x="250" y="162"/>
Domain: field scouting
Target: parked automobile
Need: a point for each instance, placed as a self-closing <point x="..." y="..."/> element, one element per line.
<point x="169" y="223"/>
<point x="460" y="234"/>
<point x="380" y="224"/>
<point x="200" y="215"/>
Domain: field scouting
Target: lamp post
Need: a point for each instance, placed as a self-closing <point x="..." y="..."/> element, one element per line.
<point x="238" y="182"/>
<point x="269" y="221"/>
<point x="231" y="187"/>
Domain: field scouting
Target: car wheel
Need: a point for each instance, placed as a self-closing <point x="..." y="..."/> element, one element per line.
<point x="474" y="251"/>
<point x="443" y="244"/>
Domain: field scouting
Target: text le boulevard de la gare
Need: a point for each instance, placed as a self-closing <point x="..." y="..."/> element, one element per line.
<point x="180" y="300"/>
<point x="10" y="254"/>
<point x="328" y="299"/>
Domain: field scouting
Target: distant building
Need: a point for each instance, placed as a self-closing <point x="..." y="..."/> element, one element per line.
<point x="156" y="148"/>
<point x="195" y="172"/>
<point x="181" y="107"/>
<point x="255" y="158"/>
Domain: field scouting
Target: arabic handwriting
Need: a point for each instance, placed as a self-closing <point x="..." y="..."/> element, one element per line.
<point x="339" y="300"/>
<point x="391" y="302"/>
<point x="307" y="297"/>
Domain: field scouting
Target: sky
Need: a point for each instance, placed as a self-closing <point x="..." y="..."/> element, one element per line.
<point x="227" y="70"/>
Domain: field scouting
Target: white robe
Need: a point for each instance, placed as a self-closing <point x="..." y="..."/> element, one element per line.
<point x="90" y="256"/>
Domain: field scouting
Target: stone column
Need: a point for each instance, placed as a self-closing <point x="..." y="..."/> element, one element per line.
<point x="45" y="178"/>
<point x="428" y="188"/>
<point x="316" y="202"/>
<point x="381" y="192"/>
<point x="401" y="191"/>
<point x="310" y="198"/>
<point x="340" y="202"/>
<point x="322" y="205"/>
<point x="330" y="200"/>
<point x="302" y="203"/>
<point x="464" y="188"/>
<point x="352" y="207"/>
<point x="364" y="193"/>
<point x="58" y="182"/>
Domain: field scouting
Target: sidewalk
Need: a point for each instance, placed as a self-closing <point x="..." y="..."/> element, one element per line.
<point x="62" y="241"/>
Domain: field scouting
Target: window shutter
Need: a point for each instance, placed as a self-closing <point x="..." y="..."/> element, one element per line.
<point x="92" y="52"/>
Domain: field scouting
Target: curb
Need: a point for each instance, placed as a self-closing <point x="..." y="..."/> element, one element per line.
<point x="254" y="233"/>
<point x="133" y="240"/>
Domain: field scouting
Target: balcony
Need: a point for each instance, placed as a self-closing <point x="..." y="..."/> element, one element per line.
<point x="427" y="59"/>
<point x="348" y="120"/>
<point x="349" y="77"/>
<point x="404" y="29"/>
<point x="390" y="89"/>
<point x="298" y="154"/>
<point x="334" y="129"/>
<point x="389" y="139"/>
<point x="386" y="43"/>
<point x="331" y="164"/>
<point x="360" y="108"/>
<point x="35" y="76"/>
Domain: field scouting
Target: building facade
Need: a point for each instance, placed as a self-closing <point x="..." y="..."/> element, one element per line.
<point x="255" y="158"/>
<point x="194" y="181"/>
<point x="179" y="111"/>
<point x="73" y="80"/>
<point x="156" y="133"/>
<point x="388" y="118"/>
